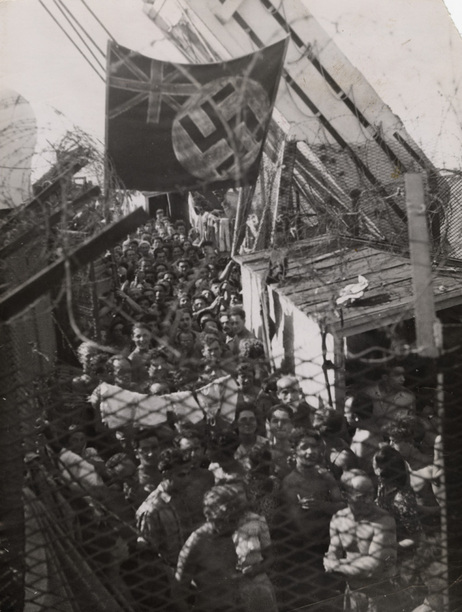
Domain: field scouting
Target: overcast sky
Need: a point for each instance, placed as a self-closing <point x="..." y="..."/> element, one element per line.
<point x="408" y="49"/>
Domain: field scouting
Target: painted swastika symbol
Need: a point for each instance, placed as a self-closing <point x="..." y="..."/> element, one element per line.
<point x="218" y="132"/>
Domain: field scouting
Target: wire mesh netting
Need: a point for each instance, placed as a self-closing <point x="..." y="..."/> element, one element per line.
<point x="183" y="430"/>
<point x="172" y="460"/>
<point x="323" y="190"/>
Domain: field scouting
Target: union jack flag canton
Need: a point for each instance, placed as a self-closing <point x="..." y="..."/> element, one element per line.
<point x="172" y="127"/>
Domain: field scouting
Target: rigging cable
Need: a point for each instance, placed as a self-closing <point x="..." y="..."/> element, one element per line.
<point x="60" y="5"/>
<point x="99" y="21"/>
<point x="79" y="35"/>
<point x="73" y="42"/>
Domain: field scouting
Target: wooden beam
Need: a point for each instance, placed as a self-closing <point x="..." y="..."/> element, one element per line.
<point x="38" y="201"/>
<point x="52" y="220"/>
<point x="16" y="300"/>
<point x="419" y="244"/>
<point x="12" y="462"/>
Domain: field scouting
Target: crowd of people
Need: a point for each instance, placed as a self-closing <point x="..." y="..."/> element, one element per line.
<point x="256" y="501"/>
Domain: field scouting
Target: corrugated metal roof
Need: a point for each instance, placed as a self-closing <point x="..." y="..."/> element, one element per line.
<point x="318" y="269"/>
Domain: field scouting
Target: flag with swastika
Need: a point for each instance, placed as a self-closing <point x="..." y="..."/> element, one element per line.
<point x="172" y="127"/>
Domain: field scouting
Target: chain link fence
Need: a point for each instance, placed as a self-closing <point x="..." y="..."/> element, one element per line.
<point x="192" y="473"/>
<point x="83" y="452"/>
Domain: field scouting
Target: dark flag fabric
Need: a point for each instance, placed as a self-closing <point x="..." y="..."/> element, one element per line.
<point x="173" y="127"/>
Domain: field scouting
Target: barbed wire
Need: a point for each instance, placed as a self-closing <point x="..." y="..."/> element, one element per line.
<point x="371" y="199"/>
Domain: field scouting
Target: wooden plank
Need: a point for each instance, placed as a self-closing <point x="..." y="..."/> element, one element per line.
<point x="16" y="300"/>
<point x="449" y="299"/>
<point x="381" y="317"/>
<point x="37" y="202"/>
<point x="346" y="258"/>
<point x="251" y="258"/>
<point x="324" y="255"/>
<point x="303" y="72"/>
<point x="402" y="298"/>
<point x="315" y="302"/>
<point x="12" y="450"/>
<point x="356" y="321"/>
<point x="264" y="257"/>
<point x="360" y="319"/>
<point x="20" y="242"/>
<point x="388" y="274"/>
<point x="52" y="220"/>
<point x="310" y="85"/>
<point x="345" y="81"/>
<point x="321" y="279"/>
<point x="261" y="265"/>
<point x="258" y="260"/>
<point x="301" y="259"/>
<point x="307" y="245"/>
<point x="445" y="284"/>
<point x="379" y="280"/>
<point x="337" y="269"/>
<point x="328" y="296"/>
<point x="258" y="265"/>
<point x="363" y="324"/>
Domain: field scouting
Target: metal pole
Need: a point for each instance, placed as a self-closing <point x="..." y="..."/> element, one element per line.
<point x="420" y="249"/>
